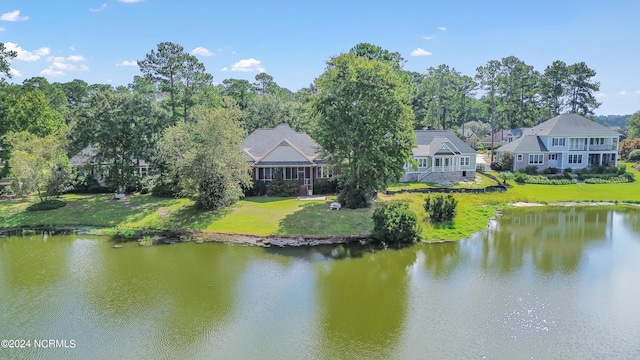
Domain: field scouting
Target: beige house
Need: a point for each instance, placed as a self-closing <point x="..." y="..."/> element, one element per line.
<point x="293" y="153"/>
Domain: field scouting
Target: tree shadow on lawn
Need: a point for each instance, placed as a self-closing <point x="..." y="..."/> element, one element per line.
<point x="190" y="217"/>
<point x="266" y="199"/>
<point x="318" y="219"/>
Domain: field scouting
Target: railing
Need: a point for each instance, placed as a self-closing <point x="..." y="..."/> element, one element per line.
<point x="601" y="147"/>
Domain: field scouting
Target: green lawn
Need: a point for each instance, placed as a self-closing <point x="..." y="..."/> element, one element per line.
<point x="289" y="216"/>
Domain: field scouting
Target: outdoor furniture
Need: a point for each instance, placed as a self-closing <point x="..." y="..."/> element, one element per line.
<point x="335" y="206"/>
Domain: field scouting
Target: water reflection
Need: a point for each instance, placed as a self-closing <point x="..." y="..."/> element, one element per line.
<point x="441" y="259"/>
<point x="349" y="292"/>
<point x="554" y="239"/>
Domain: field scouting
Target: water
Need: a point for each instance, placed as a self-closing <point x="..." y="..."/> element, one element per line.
<point x="546" y="284"/>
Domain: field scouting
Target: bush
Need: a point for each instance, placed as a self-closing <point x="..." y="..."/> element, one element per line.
<point x="394" y="222"/>
<point x="542" y="180"/>
<point x="568" y="175"/>
<point x="634" y="155"/>
<point x="279" y="187"/>
<point x="325" y="187"/>
<point x="568" y="171"/>
<point x="258" y="188"/>
<point x="46" y="205"/>
<point x="520" y="178"/>
<point x="353" y="198"/>
<point x="530" y="170"/>
<point x="550" y="171"/>
<point x="166" y="189"/>
<point x="506" y="175"/>
<point x="440" y="208"/>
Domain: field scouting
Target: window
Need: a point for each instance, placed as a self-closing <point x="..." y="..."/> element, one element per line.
<point x="575" y="159"/>
<point x="553" y="157"/>
<point x="464" y="161"/>
<point x="438" y="161"/>
<point x="557" y="142"/>
<point x="596" y="141"/>
<point x="323" y="172"/>
<point x="519" y="157"/>
<point x="536" y="158"/>
<point x="423" y="163"/>
<point x="578" y="144"/>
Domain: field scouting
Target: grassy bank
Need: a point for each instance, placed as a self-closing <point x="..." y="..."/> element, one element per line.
<point x="288" y="216"/>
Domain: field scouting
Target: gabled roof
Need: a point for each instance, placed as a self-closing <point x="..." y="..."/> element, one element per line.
<point x="262" y="142"/>
<point x="528" y="142"/>
<point x="430" y="142"/>
<point x="497" y="137"/>
<point x="571" y="124"/>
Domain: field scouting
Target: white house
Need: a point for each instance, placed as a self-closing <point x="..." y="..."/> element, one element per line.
<point x="441" y="157"/>
<point x="567" y="141"/>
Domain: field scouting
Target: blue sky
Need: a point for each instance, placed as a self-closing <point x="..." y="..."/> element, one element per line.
<point x="99" y="40"/>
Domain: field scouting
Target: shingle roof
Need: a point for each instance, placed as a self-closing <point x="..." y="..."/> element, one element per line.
<point x="528" y="142"/>
<point x="571" y="124"/>
<point x="261" y="141"/>
<point x="497" y="137"/>
<point x="429" y="141"/>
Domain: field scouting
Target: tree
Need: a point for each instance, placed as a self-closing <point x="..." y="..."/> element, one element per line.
<point x="365" y="125"/>
<point x="38" y="164"/>
<point x="487" y="76"/>
<point x="177" y="74"/>
<point x="268" y="111"/>
<point x="633" y="123"/>
<point x="4" y="56"/>
<point x="581" y="89"/>
<point x="375" y="52"/>
<point x="553" y="86"/>
<point x="206" y="156"/>
<point x="123" y="127"/>
<point x="242" y="91"/>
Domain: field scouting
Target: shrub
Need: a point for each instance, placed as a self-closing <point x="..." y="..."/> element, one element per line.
<point x="634" y="155"/>
<point x="542" y="180"/>
<point x="325" y="187"/>
<point x="166" y="189"/>
<point x="530" y="170"/>
<point x="568" y="175"/>
<point x="46" y="205"/>
<point x="353" y="198"/>
<point x="394" y="222"/>
<point x="279" y="187"/>
<point x="568" y="171"/>
<point x="506" y="175"/>
<point x="520" y="178"/>
<point x="440" y="208"/>
<point x="550" y="171"/>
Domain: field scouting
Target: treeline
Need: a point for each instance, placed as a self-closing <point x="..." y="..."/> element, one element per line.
<point x="161" y="115"/>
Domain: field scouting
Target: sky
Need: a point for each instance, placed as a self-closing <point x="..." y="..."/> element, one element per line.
<point x="99" y="41"/>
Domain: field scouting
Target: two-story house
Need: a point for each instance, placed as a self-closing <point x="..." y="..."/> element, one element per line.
<point x="567" y="141"/>
<point x="441" y="157"/>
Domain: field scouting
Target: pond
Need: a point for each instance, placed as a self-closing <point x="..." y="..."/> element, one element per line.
<point x="543" y="283"/>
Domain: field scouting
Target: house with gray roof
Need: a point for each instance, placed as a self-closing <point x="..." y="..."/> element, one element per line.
<point x="441" y="157"/>
<point x="567" y="141"/>
<point x="283" y="149"/>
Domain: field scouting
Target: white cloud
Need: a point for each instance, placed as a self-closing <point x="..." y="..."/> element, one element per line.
<point x="201" y="51"/>
<point x="50" y="72"/>
<point x="442" y="28"/>
<point x="61" y="65"/>
<point x="15" y="72"/>
<point x="75" y="58"/>
<point x="102" y="7"/>
<point x="637" y="92"/>
<point x="13" y="16"/>
<point x="420" y="52"/>
<point x="248" y="65"/>
<point x="428" y="37"/>
<point x="623" y="93"/>
<point x="130" y="1"/>
<point x="25" y="55"/>
<point x="601" y="95"/>
<point x="109" y="81"/>
<point x="72" y="48"/>
<point x="128" y="63"/>
<point x="2" y="29"/>
<point x="224" y="69"/>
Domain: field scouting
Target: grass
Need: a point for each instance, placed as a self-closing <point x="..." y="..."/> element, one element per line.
<point x="288" y="216"/>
